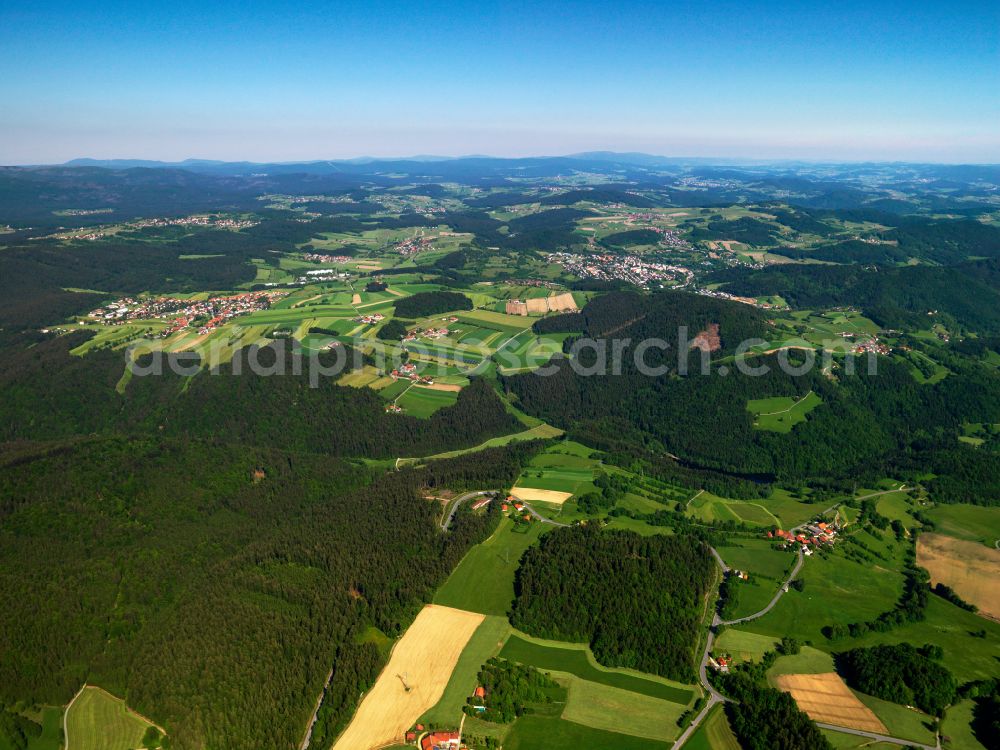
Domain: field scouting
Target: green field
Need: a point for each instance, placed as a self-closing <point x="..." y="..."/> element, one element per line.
<point x="709" y="508"/>
<point x="714" y="733"/>
<point x="484" y="644"/>
<point x="576" y="659"/>
<point x="758" y="557"/>
<point x="808" y="661"/>
<point x="540" y="432"/>
<point x="534" y="732"/>
<point x="836" y="590"/>
<point x="99" y="721"/>
<point x="743" y="646"/>
<point x="422" y="402"/>
<point x="484" y="580"/>
<point x="615" y="710"/>
<point x="956" y="727"/>
<point x="905" y="723"/>
<point x="50" y="719"/>
<point x="782" y="413"/>
<point x="977" y="523"/>
<point x="790" y="510"/>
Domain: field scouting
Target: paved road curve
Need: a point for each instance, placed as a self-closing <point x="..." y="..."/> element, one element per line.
<point x="879" y="737"/>
<point x="446" y="521"/>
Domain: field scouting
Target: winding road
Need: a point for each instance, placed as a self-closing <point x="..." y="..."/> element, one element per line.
<point x="446" y="521"/>
<point x="714" y="697"/>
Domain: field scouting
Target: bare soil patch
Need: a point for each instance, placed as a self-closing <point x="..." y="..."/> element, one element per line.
<point x="708" y="340"/>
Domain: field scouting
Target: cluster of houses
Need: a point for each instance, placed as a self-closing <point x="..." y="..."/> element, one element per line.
<point x="630" y="268"/>
<point x="408" y="371"/>
<point x="370" y="319"/>
<point x="320" y="258"/>
<point x="219" y="222"/>
<point x="516" y="509"/>
<point x="429" y="333"/>
<point x="217" y="310"/>
<point x="811" y="535"/>
<point x="413" y="246"/>
<point x="434" y="740"/>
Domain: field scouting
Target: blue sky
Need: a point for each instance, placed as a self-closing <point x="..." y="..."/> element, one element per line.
<point x="293" y="81"/>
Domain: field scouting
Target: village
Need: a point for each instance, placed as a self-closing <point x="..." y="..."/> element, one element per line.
<point x="630" y="268"/>
<point x="219" y="222"/>
<point x="210" y="313"/>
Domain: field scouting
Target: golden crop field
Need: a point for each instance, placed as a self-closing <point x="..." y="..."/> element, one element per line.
<point x="541" y="496"/>
<point x="414" y="679"/>
<point x="971" y="569"/>
<point x="826" y="698"/>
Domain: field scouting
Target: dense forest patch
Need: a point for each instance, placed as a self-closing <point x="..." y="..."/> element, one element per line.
<point x="636" y="600"/>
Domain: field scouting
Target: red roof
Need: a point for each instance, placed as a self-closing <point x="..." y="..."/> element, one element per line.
<point x="480" y="692"/>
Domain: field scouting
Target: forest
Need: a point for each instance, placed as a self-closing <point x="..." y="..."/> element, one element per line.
<point x="214" y="584"/>
<point x="900" y="673"/>
<point x="636" y="600"/>
<point x="763" y="718"/>
<point x="869" y="424"/>
<point x="422" y="304"/>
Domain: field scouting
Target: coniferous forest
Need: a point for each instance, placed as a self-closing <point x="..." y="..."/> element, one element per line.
<point x="636" y="600"/>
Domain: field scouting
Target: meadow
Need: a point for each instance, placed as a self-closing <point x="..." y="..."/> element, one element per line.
<point x="714" y="733"/>
<point x="576" y="659"/>
<point x="782" y="413"/>
<point x="96" y="720"/>
<point x="484" y="581"/>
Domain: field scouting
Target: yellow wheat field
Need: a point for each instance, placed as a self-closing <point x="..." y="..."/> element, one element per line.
<point x="971" y="569"/>
<point x="542" y="496"/>
<point x="424" y="657"/>
<point x="827" y="699"/>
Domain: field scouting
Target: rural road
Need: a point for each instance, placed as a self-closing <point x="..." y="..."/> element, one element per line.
<point x="446" y="522"/>
<point x="877" y="737"/>
<point x="714" y="697"/>
<point x="781" y="591"/>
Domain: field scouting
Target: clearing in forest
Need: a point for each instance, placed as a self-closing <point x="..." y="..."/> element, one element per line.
<point x="97" y="720"/>
<point x="825" y="698"/>
<point x="414" y="679"/>
<point x="971" y="569"/>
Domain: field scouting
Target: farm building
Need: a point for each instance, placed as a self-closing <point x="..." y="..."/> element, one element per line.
<point x="441" y="741"/>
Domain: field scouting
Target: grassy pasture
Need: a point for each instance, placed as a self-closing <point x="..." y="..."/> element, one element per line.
<point x="422" y="402"/>
<point x="97" y="720"/>
<point x="533" y="732"/>
<point x="837" y="590"/>
<point x="956" y="727"/>
<point x="484" y="581"/>
<point x="714" y="733"/>
<point x="976" y="523"/>
<point x="782" y="413"/>
<point x="615" y="710"/>
<point x="576" y="659"/>
<point x="485" y="643"/>
<point x="743" y="645"/>
<point x="709" y="508"/>
<point x="905" y="723"/>
<point x="50" y="719"/>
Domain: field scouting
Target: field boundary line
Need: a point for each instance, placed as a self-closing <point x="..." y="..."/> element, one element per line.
<point x="66" y="715"/>
<point x="785" y="411"/>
